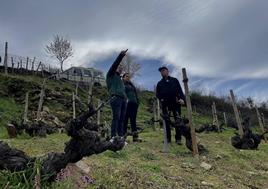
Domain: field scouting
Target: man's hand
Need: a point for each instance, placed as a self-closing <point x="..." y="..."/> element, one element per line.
<point x="124" y="52"/>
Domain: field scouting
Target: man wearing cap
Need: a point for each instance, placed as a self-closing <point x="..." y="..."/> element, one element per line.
<point x="116" y="90"/>
<point x="171" y="97"/>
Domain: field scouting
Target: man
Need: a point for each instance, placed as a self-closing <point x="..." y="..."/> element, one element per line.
<point x="132" y="107"/>
<point x="116" y="90"/>
<point x="169" y="92"/>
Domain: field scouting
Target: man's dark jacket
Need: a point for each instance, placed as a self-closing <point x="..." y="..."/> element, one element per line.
<point x="113" y="80"/>
<point x="168" y="89"/>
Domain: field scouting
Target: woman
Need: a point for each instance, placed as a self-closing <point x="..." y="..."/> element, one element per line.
<point x="132" y="107"/>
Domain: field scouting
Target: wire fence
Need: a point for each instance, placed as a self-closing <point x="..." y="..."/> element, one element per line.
<point x="33" y="64"/>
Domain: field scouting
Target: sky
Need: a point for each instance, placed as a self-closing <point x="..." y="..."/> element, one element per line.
<point x="222" y="44"/>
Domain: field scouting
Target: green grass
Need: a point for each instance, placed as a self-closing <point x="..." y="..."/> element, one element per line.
<point x="141" y="165"/>
<point x="9" y="110"/>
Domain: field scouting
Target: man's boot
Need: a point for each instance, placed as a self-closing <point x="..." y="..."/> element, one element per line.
<point x="136" y="137"/>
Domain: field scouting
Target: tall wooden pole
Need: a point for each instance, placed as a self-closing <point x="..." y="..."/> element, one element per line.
<point x="33" y="64"/>
<point x="76" y="89"/>
<point x="154" y="110"/>
<point x="26" y="108"/>
<point x="155" y="114"/>
<point x="27" y="61"/>
<point x="5" y="58"/>
<point x="158" y="111"/>
<point x="74" y="106"/>
<point x="90" y="93"/>
<point x="225" y="118"/>
<point x="189" y="111"/>
<point x="12" y="62"/>
<point x="99" y="113"/>
<point x="263" y="120"/>
<point x="41" y="100"/>
<point x="260" y="121"/>
<point x="237" y="117"/>
<point x="165" y="149"/>
<point x="215" y="116"/>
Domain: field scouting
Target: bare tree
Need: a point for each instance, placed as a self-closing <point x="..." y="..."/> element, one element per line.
<point x="60" y="48"/>
<point x="130" y="66"/>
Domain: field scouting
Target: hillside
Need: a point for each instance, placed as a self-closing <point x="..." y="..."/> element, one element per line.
<point x="138" y="165"/>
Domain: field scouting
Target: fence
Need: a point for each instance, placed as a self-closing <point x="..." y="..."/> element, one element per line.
<point x="13" y="63"/>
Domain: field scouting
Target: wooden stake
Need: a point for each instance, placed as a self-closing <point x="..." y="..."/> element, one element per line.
<point x="90" y="93"/>
<point x="25" y="119"/>
<point x="263" y="120"/>
<point x="76" y="89"/>
<point x="158" y="111"/>
<point x="99" y="113"/>
<point x="166" y="147"/>
<point x="38" y="66"/>
<point x="237" y="117"/>
<point x="215" y="116"/>
<point x="225" y="118"/>
<point x="73" y="106"/>
<point x="27" y="63"/>
<point x="12" y="62"/>
<point x="33" y="64"/>
<point x="260" y="121"/>
<point x="189" y="111"/>
<point x="42" y="70"/>
<point x="41" y="100"/>
<point x="21" y="64"/>
<point x="5" y="58"/>
<point x="195" y="112"/>
<point x="155" y="115"/>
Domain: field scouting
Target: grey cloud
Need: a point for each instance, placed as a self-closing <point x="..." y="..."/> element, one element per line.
<point x="212" y="38"/>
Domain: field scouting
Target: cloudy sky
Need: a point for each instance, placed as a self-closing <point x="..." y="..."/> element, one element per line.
<point x="222" y="44"/>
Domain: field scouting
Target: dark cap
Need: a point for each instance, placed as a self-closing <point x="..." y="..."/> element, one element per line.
<point x="162" y="68"/>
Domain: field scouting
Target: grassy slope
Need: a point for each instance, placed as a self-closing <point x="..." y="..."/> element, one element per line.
<point x="143" y="165"/>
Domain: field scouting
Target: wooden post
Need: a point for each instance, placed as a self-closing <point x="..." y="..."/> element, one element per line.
<point x="99" y="113"/>
<point x="33" y="64"/>
<point x="158" y="111"/>
<point x="5" y="58"/>
<point x="90" y="94"/>
<point x="225" y="118"/>
<point x="189" y="112"/>
<point x="155" y="114"/>
<point x="38" y="66"/>
<point x="215" y="117"/>
<point x="165" y="149"/>
<point x="21" y="64"/>
<point x="42" y="70"/>
<point x="154" y="111"/>
<point x="237" y="117"/>
<point x="260" y="121"/>
<point x="27" y="64"/>
<point x="26" y="108"/>
<point x="41" y="100"/>
<point x="73" y="106"/>
<point x="76" y="89"/>
<point x="263" y="120"/>
<point x="12" y="62"/>
<point x="194" y="107"/>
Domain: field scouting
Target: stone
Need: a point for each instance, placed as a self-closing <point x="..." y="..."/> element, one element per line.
<point x="205" y="183"/>
<point x="206" y="166"/>
<point x="46" y="109"/>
